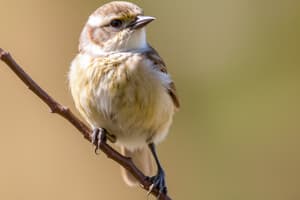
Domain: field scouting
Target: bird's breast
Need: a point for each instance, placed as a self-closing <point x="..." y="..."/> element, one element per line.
<point x="125" y="95"/>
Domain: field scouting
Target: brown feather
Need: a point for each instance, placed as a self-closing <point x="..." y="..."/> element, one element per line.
<point x="160" y="65"/>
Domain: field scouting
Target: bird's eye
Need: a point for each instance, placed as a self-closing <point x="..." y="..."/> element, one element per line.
<point x="116" y="23"/>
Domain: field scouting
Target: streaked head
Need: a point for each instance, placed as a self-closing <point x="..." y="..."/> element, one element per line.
<point x="114" y="27"/>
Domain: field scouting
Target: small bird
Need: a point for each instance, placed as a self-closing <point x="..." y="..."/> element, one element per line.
<point x="121" y="87"/>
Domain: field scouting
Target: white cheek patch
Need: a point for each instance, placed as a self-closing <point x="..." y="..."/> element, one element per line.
<point x="94" y="21"/>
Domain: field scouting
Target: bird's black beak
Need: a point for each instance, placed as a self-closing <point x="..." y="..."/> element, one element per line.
<point x="140" y="22"/>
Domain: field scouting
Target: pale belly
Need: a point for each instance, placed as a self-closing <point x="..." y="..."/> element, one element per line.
<point x="136" y="114"/>
<point x="132" y="105"/>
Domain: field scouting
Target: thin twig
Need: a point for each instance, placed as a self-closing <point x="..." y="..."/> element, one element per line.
<point x="66" y="113"/>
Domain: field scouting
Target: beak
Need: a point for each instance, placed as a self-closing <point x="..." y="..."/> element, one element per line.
<point x="140" y="22"/>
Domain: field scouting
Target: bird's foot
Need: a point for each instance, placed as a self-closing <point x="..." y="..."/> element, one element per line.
<point x="158" y="181"/>
<point x="98" y="136"/>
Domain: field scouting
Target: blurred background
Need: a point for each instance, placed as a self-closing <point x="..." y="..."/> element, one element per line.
<point x="236" y="67"/>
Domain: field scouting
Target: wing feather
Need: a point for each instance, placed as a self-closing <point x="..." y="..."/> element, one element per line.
<point x="160" y="65"/>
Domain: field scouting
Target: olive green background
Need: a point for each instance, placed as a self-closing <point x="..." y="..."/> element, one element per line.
<point x="236" y="67"/>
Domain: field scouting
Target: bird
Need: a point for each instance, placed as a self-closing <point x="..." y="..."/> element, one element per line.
<point x="121" y="87"/>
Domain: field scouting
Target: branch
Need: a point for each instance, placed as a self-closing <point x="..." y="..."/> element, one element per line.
<point x="66" y="113"/>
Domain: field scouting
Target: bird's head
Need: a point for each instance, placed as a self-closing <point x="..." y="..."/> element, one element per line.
<point x="115" y="27"/>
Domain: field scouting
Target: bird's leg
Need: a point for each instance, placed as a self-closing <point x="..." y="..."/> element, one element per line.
<point x="98" y="136"/>
<point x="158" y="180"/>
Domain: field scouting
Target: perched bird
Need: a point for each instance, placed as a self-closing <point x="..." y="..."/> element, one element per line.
<point x="121" y="87"/>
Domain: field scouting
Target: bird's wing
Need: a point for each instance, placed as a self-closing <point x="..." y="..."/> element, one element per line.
<point x="159" y="64"/>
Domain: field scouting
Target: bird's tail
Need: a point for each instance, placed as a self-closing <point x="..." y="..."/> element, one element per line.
<point x="142" y="158"/>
